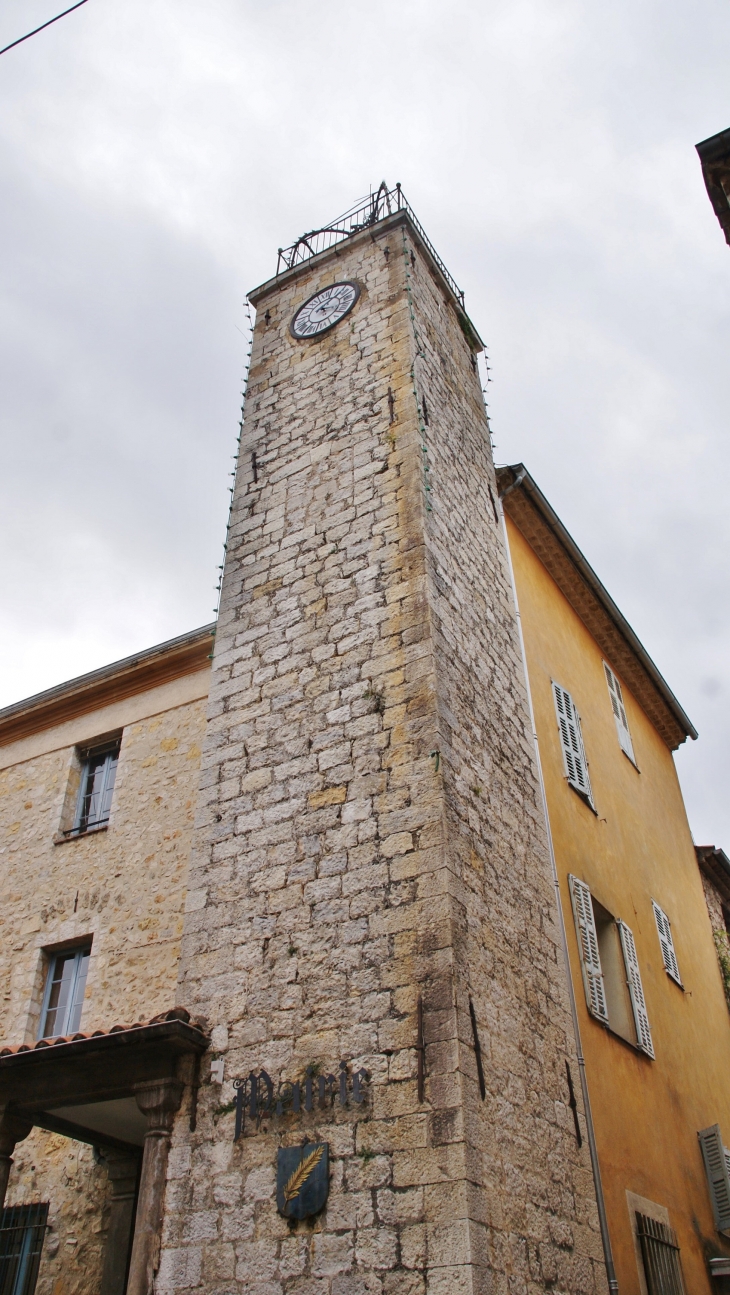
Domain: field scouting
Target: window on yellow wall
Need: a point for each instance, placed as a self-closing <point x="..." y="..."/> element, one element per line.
<point x="611" y="974"/>
<point x="619" y="713"/>
<point x="620" y="1014"/>
<point x="660" y="1256"/>
<point x="571" y="741"/>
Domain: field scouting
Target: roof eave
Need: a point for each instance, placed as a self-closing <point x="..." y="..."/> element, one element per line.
<point x="715" y="865"/>
<point x="521" y="480"/>
<point x="150" y="668"/>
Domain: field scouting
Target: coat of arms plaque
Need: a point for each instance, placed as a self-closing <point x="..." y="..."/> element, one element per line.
<point x="302" y="1179"/>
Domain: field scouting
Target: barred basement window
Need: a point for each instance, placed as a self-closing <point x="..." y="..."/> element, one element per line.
<point x="660" y="1253"/>
<point x="63" y="998"/>
<point x="96" y="788"/>
<point x="22" y="1229"/>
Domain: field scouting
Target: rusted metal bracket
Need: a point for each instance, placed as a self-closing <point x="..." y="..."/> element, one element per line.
<point x="477" y="1051"/>
<point x="194" y="1086"/>
<point x="420" y="1050"/>
<point x="573" y="1106"/>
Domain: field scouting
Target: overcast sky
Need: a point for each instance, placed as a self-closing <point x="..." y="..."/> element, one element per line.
<point x="154" y="155"/>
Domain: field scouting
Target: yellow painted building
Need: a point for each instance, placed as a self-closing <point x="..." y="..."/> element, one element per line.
<point x="636" y="919"/>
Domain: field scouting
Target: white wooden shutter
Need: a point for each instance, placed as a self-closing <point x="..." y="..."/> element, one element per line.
<point x="619" y="712"/>
<point x="717" y="1168"/>
<point x="590" y="959"/>
<point x="636" y="989"/>
<point x="666" y="943"/>
<point x="571" y="739"/>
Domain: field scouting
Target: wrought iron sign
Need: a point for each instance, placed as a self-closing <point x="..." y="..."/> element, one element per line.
<point x="258" y="1096"/>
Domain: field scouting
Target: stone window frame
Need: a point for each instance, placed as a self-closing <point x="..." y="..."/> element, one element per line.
<point x="78" y="948"/>
<point x="72" y="826"/>
<point x="650" y="1209"/>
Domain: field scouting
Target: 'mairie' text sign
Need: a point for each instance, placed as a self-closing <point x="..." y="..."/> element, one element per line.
<point x="257" y="1096"/>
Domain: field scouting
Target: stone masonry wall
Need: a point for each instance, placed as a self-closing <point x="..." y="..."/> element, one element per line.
<point x="345" y="866"/>
<point x="534" y="1222"/>
<point x="63" y="1172"/>
<point x="720" y="935"/>
<point x="125" y="887"/>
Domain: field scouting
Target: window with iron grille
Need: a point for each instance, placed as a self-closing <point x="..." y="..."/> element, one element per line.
<point x="96" y="787"/>
<point x="63" y="997"/>
<point x="660" y="1253"/>
<point x="22" y="1229"/>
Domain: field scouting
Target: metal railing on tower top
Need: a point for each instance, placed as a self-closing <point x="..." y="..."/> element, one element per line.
<point x="362" y="216"/>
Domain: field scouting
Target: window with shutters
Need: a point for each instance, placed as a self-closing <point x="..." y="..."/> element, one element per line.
<point x="619" y="713"/>
<point x="611" y="975"/>
<point x="571" y="741"/>
<point x="660" y="1256"/>
<point x="717" y="1169"/>
<point x="666" y="943"/>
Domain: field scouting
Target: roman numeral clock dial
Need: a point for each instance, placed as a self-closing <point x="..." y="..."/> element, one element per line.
<point x="325" y="309"/>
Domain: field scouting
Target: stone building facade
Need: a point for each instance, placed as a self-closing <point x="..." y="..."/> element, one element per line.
<point x="119" y="890"/>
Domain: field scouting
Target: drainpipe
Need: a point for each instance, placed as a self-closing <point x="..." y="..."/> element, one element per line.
<point x="600" y="1201"/>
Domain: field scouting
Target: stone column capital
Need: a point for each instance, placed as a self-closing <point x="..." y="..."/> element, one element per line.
<point x="159" y="1100"/>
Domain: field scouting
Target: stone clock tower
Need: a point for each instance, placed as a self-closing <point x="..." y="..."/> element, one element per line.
<point x="371" y="935"/>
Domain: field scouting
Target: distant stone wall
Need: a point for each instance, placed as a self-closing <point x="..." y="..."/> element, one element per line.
<point x="64" y="1173"/>
<point x="720" y="935"/>
<point x="125" y="887"/>
<point x="369" y="833"/>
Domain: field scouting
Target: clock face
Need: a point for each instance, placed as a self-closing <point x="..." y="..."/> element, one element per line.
<point x="324" y="310"/>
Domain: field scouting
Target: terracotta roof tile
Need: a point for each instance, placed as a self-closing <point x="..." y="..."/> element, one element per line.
<point x="175" y="1014"/>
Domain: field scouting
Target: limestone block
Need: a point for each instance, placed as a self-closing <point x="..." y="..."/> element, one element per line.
<point x="331" y="1254"/>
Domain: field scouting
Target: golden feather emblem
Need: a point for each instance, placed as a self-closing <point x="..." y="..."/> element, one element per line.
<point x="297" y="1180"/>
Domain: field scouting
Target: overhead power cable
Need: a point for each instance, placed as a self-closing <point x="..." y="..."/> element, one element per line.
<point x="35" y="30"/>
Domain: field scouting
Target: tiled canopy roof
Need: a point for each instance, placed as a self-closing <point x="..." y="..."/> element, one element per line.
<point x="175" y="1014"/>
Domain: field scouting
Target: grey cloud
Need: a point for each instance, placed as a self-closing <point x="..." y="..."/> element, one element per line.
<point x="153" y="157"/>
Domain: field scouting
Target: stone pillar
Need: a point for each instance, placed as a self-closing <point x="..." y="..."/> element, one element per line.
<point x="122" y="1171"/>
<point x="158" y="1101"/>
<point x="12" y="1130"/>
